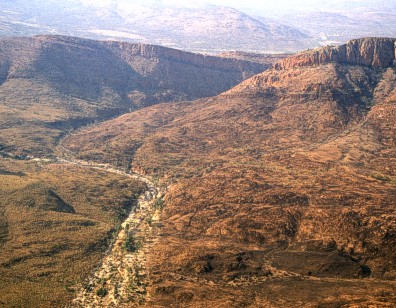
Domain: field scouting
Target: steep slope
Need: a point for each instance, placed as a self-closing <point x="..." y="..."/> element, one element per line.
<point x="51" y="84"/>
<point x="285" y="182"/>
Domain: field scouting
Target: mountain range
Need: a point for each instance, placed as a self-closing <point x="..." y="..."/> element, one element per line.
<point x="205" y="28"/>
<point x="290" y="174"/>
<point x="201" y="27"/>
<point x="54" y="84"/>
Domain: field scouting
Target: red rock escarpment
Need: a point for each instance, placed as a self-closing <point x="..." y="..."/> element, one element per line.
<point x="372" y="52"/>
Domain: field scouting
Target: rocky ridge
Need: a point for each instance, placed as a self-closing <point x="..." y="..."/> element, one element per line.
<point x="371" y="52"/>
<point x="206" y="61"/>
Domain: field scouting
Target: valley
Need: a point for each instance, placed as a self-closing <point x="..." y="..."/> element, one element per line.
<point x="57" y="213"/>
<point x="181" y="180"/>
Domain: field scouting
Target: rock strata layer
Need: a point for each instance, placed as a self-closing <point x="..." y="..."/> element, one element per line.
<point x="371" y="52"/>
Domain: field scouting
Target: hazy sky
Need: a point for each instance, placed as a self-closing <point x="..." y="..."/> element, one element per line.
<point x="265" y="3"/>
<point x="260" y="7"/>
<point x="281" y="4"/>
<point x="253" y="4"/>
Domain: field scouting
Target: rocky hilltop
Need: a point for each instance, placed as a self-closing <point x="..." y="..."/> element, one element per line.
<point x="372" y="52"/>
<point x="285" y="182"/>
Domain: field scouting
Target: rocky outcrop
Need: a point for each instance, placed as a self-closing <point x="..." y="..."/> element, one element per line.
<point x="371" y="52"/>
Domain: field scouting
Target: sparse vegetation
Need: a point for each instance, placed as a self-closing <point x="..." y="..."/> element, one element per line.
<point x="286" y="174"/>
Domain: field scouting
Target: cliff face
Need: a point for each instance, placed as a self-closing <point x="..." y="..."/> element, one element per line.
<point x="371" y="52"/>
<point x="187" y="75"/>
<point x="205" y="61"/>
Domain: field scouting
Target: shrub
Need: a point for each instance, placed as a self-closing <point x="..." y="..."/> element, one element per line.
<point x="131" y="245"/>
<point x="158" y="204"/>
<point x="101" y="292"/>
